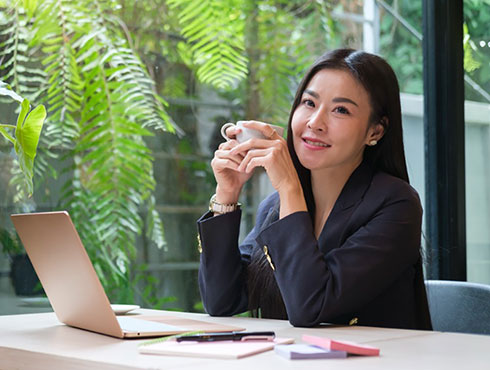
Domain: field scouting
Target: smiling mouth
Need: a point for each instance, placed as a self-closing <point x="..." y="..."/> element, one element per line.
<point x="316" y="143"/>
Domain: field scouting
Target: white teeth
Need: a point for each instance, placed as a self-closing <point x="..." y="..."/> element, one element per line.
<point x="316" y="143"/>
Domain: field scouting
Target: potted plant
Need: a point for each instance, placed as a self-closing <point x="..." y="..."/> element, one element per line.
<point x="22" y="274"/>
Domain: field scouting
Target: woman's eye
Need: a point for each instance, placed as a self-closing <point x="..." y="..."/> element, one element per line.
<point x="341" y="110"/>
<point x="308" y="102"/>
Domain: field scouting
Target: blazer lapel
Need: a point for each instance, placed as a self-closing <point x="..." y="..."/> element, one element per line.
<point x="334" y="230"/>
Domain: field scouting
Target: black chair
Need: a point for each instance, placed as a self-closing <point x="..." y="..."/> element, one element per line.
<point x="458" y="306"/>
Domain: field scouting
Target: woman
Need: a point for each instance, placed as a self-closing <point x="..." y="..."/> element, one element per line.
<point x="339" y="240"/>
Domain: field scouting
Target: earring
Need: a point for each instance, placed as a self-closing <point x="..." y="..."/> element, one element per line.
<point x="373" y="142"/>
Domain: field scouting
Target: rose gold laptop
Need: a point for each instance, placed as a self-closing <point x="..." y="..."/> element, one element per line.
<point x="73" y="288"/>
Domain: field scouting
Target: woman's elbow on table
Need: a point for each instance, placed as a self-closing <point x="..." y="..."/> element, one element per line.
<point x="302" y="320"/>
<point x="220" y="308"/>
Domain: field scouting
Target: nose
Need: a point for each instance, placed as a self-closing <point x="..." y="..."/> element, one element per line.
<point x="317" y="121"/>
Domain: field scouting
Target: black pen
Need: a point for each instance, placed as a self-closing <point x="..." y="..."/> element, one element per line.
<point x="234" y="336"/>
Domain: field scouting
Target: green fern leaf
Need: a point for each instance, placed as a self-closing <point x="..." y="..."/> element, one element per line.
<point x="217" y="45"/>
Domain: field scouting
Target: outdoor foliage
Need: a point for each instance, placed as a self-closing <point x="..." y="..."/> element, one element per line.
<point x="101" y="105"/>
<point x="102" y="68"/>
<point x="403" y="49"/>
<point x="214" y="31"/>
<point x="82" y="62"/>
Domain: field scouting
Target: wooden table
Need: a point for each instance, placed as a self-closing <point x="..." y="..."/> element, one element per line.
<point x="40" y="341"/>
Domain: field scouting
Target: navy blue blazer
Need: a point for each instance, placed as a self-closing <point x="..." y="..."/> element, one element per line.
<point x="365" y="267"/>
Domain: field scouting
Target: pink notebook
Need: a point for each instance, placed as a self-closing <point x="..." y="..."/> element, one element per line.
<point x="219" y="349"/>
<point x="349" y="347"/>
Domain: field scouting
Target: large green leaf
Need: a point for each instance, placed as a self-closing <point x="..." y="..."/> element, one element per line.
<point x="27" y="133"/>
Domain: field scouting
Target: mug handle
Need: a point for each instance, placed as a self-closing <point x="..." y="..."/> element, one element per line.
<point x="223" y="130"/>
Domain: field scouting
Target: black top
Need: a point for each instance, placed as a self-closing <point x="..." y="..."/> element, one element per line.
<point x="365" y="268"/>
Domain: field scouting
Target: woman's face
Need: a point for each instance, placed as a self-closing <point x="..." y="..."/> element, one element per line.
<point x="330" y="125"/>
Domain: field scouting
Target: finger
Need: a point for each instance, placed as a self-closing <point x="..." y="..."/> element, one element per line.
<point x="256" y="162"/>
<point x="272" y="135"/>
<point x="232" y="132"/>
<point x="250" y="144"/>
<point x="228" y="145"/>
<point x="250" y="156"/>
<point x="242" y="148"/>
<point x="225" y="151"/>
<point x="223" y="163"/>
<point x="256" y="143"/>
<point x="263" y="127"/>
<point x="225" y="154"/>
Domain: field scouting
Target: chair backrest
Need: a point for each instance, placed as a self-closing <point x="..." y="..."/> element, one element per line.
<point x="458" y="306"/>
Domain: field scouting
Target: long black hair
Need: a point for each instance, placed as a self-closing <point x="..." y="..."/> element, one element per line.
<point x="381" y="85"/>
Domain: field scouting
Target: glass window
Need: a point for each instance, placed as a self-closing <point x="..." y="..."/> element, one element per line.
<point x="134" y="110"/>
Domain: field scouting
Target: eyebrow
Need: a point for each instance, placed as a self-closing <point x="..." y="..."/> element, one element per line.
<point x="312" y="93"/>
<point x="339" y="99"/>
<point x="344" y="100"/>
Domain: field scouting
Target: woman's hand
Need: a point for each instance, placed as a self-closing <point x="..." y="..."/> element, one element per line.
<point x="225" y="167"/>
<point x="273" y="155"/>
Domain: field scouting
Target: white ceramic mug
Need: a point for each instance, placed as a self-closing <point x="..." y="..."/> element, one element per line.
<point x="248" y="133"/>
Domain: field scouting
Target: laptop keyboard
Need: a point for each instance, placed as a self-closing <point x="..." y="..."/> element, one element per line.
<point x="129" y="324"/>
